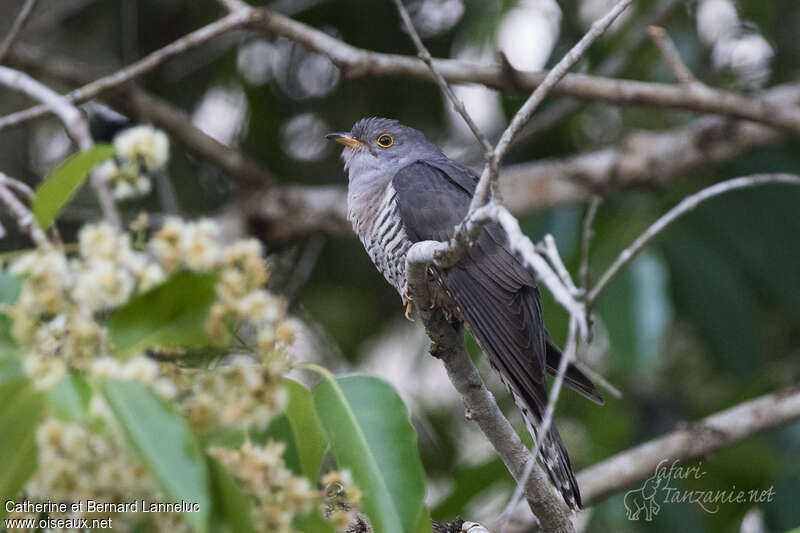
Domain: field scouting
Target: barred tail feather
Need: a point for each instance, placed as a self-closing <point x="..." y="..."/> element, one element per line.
<point x="555" y="460"/>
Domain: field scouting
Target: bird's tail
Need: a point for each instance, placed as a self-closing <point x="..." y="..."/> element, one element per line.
<point x="555" y="460"/>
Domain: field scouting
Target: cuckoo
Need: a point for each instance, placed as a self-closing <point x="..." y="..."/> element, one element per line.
<point x="402" y="189"/>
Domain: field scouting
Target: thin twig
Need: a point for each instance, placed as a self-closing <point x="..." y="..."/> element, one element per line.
<point x="547" y="419"/>
<point x="425" y="55"/>
<point x="584" y="271"/>
<point x="359" y="62"/>
<point x="75" y="123"/>
<point x="687" y="204"/>
<point x="23" y="215"/>
<point x="521" y="117"/>
<point x="598" y="378"/>
<point x="230" y="22"/>
<point x="19" y="23"/>
<point x="670" y="54"/>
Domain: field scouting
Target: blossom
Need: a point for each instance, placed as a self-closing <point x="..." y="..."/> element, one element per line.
<point x="145" y="144"/>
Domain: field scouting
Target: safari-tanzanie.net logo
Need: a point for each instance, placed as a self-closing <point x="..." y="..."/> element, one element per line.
<point x="645" y="502"/>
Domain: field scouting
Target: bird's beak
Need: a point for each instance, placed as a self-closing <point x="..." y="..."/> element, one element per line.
<point x="344" y="138"/>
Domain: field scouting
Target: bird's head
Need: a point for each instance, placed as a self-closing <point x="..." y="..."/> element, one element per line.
<point x="383" y="145"/>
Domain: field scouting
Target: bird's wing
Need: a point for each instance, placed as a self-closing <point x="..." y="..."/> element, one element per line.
<point x="497" y="296"/>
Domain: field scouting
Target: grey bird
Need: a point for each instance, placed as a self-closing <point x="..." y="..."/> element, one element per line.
<point x="402" y="189"/>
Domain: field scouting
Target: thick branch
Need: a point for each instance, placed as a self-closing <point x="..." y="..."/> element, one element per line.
<point x="715" y="432"/>
<point x="358" y="62"/>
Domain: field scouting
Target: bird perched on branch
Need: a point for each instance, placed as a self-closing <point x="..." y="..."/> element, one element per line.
<point x="403" y="190"/>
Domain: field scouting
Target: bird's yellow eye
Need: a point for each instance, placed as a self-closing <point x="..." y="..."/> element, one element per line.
<point x="385" y="140"/>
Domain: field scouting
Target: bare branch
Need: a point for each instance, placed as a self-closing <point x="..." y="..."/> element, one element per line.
<point x="19" y="23"/>
<point x="698" y="439"/>
<point x="230" y="22"/>
<point x="425" y="55"/>
<point x="586" y="241"/>
<point x="25" y="219"/>
<point x="358" y="62"/>
<point x="670" y="54"/>
<point x="74" y="122"/>
<point x="234" y="5"/>
<point x="687" y="204"/>
<point x="521" y="117"/>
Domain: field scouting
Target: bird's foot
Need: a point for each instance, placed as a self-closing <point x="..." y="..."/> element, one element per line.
<point x="409" y="303"/>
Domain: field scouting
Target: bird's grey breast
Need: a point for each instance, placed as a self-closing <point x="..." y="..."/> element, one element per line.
<point x="376" y="220"/>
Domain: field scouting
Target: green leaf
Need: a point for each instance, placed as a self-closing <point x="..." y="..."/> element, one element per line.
<point x="309" y="435"/>
<point x="171" y="314"/>
<point x="69" y="398"/>
<point x="231" y="510"/>
<point x="64" y="181"/>
<point x="371" y="435"/>
<point x="20" y="410"/>
<point x="164" y="442"/>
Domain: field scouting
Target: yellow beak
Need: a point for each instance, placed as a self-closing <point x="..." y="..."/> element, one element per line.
<point x="345" y="139"/>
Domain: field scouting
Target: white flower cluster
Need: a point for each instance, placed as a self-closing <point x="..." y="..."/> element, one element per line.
<point x="58" y="317"/>
<point x="81" y="465"/>
<point x="278" y="494"/>
<point x="139" y="151"/>
<point x="59" y="323"/>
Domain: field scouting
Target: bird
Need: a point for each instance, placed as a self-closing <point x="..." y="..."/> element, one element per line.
<point x="402" y="190"/>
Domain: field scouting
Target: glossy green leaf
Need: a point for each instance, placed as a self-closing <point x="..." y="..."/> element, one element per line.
<point x="20" y="410"/>
<point x="171" y="314"/>
<point x="231" y="509"/>
<point x="309" y="435"/>
<point x="371" y="435"/>
<point x="64" y="182"/>
<point x="164" y="442"/>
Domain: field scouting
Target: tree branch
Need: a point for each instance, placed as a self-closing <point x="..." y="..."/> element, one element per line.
<point x="74" y="122"/>
<point x="425" y="55"/>
<point x="448" y="345"/>
<point x="19" y="23"/>
<point x="712" y="433"/>
<point x="359" y="62"/>
<point x="687" y="204"/>
<point x="24" y="217"/>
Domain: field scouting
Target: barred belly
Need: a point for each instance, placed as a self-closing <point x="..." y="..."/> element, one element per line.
<point x="385" y="239"/>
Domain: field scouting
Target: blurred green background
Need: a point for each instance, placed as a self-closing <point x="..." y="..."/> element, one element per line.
<point x="708" y="316"/>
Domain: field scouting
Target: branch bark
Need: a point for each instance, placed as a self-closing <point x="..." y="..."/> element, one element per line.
<point x="698" y="439"/>
<point x="359" y="62"/>
<point x="75" y="123"/>
<point x="447" y="344"/>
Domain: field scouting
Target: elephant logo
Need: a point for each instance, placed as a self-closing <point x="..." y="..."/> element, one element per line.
<point x="643" y="499"/>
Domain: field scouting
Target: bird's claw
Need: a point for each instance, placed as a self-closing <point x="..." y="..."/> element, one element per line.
<point x="409" y="303"/>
